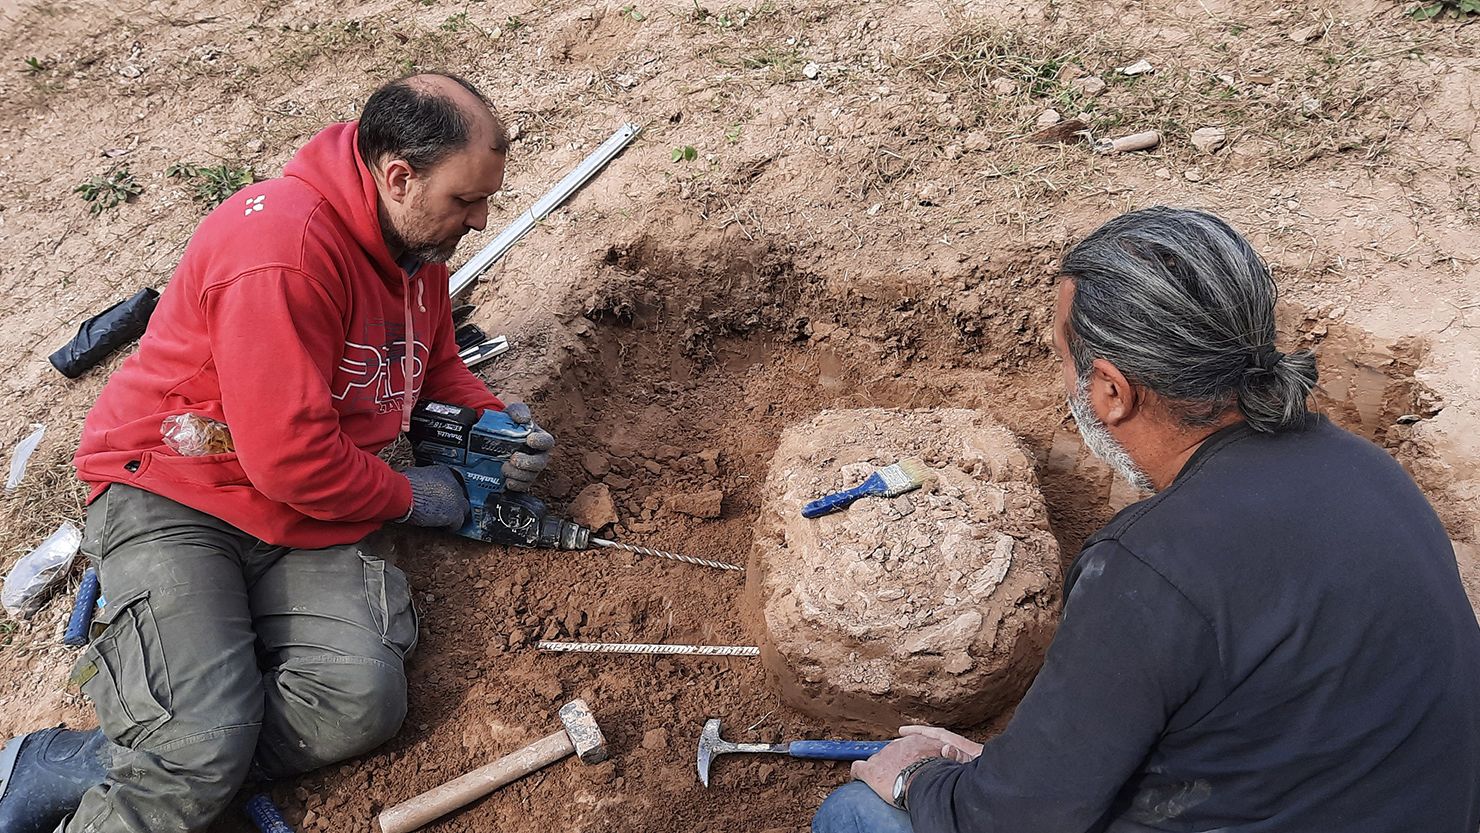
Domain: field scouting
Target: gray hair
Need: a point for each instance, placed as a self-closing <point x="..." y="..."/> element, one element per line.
<point x="1182" y="304"/>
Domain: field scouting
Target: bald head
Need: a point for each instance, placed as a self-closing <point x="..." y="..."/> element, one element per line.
<point x="424" y="118"/>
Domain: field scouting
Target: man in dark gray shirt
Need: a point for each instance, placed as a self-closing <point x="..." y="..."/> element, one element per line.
<point x="1278" y="640"/>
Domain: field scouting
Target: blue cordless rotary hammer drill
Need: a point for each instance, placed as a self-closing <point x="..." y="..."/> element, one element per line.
<point x="476" y="448"/>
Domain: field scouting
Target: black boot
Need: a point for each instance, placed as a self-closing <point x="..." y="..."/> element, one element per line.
<point x="44" y="774"/>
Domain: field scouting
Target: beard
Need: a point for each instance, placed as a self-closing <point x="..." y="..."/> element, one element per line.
<point x="415" y="243"/>
<point x="1098" y="439"/>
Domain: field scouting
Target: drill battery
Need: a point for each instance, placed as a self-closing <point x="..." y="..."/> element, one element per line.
<point x="477" y="447"/>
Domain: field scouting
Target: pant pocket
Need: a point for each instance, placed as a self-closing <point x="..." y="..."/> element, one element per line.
<point x="123" y="672"/>
<point x="391" y="607"/>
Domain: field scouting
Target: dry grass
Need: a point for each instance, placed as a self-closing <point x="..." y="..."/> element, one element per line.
<point x="1337" y="93"/>
<point x="49" y="494"/>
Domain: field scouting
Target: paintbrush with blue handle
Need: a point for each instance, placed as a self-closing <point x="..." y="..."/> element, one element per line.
<point x="890" y="481"/>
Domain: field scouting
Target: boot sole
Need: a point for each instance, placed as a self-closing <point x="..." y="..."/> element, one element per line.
<point x="8" y="755"/>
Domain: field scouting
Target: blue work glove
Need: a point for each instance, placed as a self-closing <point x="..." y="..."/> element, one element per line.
<point x="438" y="498"/>
<point x="524" y="466"/>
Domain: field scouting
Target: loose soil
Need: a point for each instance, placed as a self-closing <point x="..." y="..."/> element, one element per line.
<point x="934" y="606"/>
<point x="859" y="226"/>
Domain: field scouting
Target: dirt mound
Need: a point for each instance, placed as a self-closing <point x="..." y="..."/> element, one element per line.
<point x="934" y="606"/>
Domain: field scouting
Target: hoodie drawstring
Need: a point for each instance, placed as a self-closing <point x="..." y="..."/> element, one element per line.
<point x="407" y="357"/>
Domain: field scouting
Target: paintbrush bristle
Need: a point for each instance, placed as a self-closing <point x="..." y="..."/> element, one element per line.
<point x="904" y="476"/>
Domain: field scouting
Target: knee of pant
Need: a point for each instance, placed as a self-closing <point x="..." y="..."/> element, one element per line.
<point x="341" y="709"/>
<point x="856" y="808"/>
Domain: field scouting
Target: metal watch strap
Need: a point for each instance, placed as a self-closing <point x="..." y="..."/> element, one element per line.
<point x="902" y="781"/>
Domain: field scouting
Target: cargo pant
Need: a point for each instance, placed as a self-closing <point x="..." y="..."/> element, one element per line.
<point x="217" y="657"/>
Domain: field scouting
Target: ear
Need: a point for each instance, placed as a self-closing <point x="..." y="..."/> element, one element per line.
<point x="397" y="176"/>
<point x="1113" y="397"/>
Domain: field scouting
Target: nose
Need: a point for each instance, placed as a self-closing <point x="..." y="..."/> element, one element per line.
<point x="478" y="216"/>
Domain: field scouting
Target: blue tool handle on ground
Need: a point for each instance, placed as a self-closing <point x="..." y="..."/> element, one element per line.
<point x="841" y="500"/>
<point x="266" y="816"/>
<point x="835" y="750"/>
<point x="82" y="610"/>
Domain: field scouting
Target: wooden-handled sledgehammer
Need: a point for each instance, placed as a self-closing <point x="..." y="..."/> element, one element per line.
<point x="579" y="734"/>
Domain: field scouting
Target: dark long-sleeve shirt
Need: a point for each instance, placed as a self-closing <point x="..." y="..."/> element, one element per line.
<point x="1278" y="641"/>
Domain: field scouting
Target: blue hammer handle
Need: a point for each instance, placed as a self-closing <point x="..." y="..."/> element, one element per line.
<point x="266" y="816"/>
<point x="835" y="750"/>
<point x="82" y="610"/>
<point x="841" y="500"/>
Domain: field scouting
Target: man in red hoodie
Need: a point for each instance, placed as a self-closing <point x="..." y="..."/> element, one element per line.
<point x="249" y="630"/>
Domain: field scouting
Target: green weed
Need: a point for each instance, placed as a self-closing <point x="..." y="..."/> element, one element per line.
<point x="34" y="65"/>
<point x="105" y="191"/>
<point x="684" y="153"/>
<point x="632" y="13"/>
<point x="212" y="184"/>
<point x="1457" y="8"/>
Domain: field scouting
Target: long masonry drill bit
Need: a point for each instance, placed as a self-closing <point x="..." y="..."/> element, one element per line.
<point x="718" y="565"/>
<point x="650" y="648"/>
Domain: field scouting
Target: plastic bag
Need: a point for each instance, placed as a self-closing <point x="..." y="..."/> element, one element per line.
<point x="105" y="332"/>
<point x="192" y="435"/>
<point x="23" y="451"/>
<point x="30" y="578"/>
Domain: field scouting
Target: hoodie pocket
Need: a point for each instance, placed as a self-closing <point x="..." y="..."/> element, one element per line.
<point x="123" y="672"/>
<point x="205" y="470"/>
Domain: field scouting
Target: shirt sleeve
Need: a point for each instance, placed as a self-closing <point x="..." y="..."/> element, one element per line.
<point x="1130" y="650"/>
<point x="447" y="378"/>
<point x="276" y="337"/>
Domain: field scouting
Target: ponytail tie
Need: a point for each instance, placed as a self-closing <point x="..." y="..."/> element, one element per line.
<point x="1267" y="358"/>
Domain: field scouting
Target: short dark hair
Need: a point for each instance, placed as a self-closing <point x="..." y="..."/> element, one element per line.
<point x="1181" y="303"/>
<point x="406" y="120"/>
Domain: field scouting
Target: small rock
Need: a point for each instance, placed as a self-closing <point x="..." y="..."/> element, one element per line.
<point x="596" y="463"/>
<point x="593" y="507"/>
<point x="811" y="70"/>
<point x="1140" y="67"/>
<point x="548" y="688"/>
<point x="1003" y="86"/>
<point x="710" y="458"/>
<point x="1208" y="139"/>
<point x="1306" y="34"/>
<point x="1193" y="175"/>
<point x="255" y="146"/>
<point x="626" y="81"/>
<point x="1089" y="85"/>
<point x="617" y="482"/>
<point x="706" y="504"/>
<point x="1049" y="117"/>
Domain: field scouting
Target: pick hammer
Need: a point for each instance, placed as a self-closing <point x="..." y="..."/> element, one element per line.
<point x="712" y="746"/>
<point x="579" y="734"/>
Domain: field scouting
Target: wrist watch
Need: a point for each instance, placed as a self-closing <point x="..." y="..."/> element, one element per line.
<point x="902" y="780"/>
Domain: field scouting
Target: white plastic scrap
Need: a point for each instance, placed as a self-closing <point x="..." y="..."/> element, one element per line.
<point x="30" y="578"/>
<point x="23" y="451"/>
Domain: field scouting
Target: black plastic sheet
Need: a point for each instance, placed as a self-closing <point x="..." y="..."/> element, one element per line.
<point x="105" y="332"/>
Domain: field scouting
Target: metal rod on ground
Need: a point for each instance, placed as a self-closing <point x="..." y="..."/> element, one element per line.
<point x="552" y="199"/>
<point x="649" y="648"/>
<point x="687" y="559"/>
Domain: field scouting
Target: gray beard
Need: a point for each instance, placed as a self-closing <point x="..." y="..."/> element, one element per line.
<point x="423" y="252"/>
<point x="1099" y="441"/>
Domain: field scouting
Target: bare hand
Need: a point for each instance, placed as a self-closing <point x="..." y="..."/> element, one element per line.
<point x="880" y="771"/>
<point x="953" y="746"/>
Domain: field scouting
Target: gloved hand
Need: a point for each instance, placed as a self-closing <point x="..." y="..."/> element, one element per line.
<point x="438" y="498"/>
<point x="524" y="466"/>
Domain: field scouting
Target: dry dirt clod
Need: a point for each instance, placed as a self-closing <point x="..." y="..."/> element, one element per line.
<point x="1049" y="118"/>
<point x="593" y="507"/>
<point x="706" y="504"/>
<point x="596" y="463"/>
<point x="1193" y="175"/>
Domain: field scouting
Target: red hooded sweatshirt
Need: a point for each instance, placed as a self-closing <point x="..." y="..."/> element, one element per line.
<point x="286" y="320"/>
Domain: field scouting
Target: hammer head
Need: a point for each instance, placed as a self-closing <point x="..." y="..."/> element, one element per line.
<point x="585" y="735"/>
<point x="709" y="746"/>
